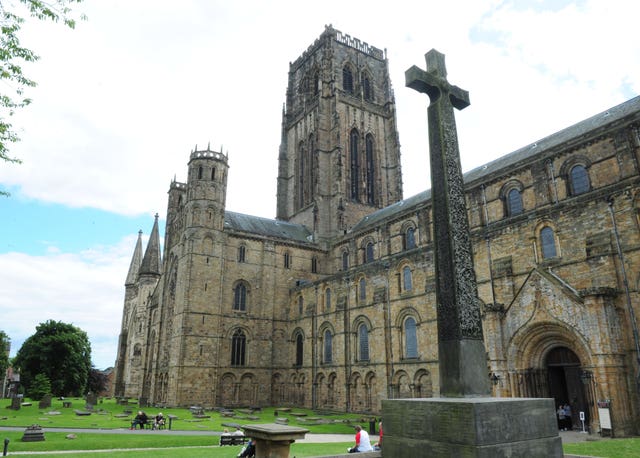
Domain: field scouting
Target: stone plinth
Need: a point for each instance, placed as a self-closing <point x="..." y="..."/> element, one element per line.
<point x="33" y="433"/>
<point x="481" y="427"/>
<point x="273" y="440"/>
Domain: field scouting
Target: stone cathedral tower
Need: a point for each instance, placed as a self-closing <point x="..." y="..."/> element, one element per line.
<point x="339" y="155"/>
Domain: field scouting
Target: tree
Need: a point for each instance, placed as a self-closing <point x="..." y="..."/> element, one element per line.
<point x="4" y="353"/>
<point x="60" y="351"/>
<point x="13" y="55"/>
<point x="40" y="387"/>
<point x="97" y="382"/>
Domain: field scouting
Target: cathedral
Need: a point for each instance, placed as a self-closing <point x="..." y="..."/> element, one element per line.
<point x="331" y="305"/>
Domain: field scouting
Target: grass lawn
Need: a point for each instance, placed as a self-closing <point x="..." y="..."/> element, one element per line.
<point x="109" y="415"/>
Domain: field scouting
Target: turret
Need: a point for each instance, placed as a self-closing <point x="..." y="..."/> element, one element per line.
<point x="207" y="189"/>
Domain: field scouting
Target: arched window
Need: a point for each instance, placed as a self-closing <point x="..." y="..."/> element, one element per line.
<point x="314" y="265"/>
<point x="548" y="242"/>
<point x="406" y="278"/>
<point x="370" y="164"/>
<point x="347" y="79"/>
<point x="368" y="252"/>
<point x="578" y="180"/>
<point x="200" y="173"/>
<point x="345" y="260"/>
<point x="238" y="348"/>
<point x="213" y="173"/>
<point x="299" y="350"/>
<point x="367" y="88"/>
<point x="287" y="260"/>
<point x="409" y="239"/>
<point x="362" y="289"/>
<point x="363" y="343"/>
<point x="410" y="338"/>
<point x="327" y="299"/>
<point x="241" y="253"/>
<point x="300" y="305"/>
<point x="328" y="347"/>
<point x="240" y="297"/>
<point x="355" y="164"/>
<point x="302" y="165"/>
<point x="514" y="202"/>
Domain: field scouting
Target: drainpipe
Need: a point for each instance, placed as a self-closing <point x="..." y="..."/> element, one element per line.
<point x="488" y="242"/>
<point x="632" y="317"/>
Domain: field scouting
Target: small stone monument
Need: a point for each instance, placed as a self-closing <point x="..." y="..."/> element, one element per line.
<point x="465" y="421"/>
<point x="16" y="403"/>
<point x="33" y="433"/>
<point x="45" y="402"/>
<point x="91" y="400"/>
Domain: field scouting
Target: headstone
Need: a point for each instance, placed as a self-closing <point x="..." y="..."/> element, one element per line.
<point x="465" y="421"/>
<point x="33" y="433"/>
<point x="45" y="402"/>
<point x="15" y="404"/>
<point x="92" y="400"/>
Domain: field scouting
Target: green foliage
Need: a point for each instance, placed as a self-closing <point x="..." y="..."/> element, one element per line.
<point x="13" y="55"/>
<point x="60" y="351"/>
<point x="97" y="382"/>
<point x="40" y="387"/>
<point x="4" y="353"/>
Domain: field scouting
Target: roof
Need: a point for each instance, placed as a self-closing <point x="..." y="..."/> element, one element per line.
<point x="267" y="227"/>
<point x="576" y="131"/>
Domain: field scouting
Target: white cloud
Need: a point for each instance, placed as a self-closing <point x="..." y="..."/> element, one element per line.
<point x="85" y="289"/>
<point x="125" y="97"/>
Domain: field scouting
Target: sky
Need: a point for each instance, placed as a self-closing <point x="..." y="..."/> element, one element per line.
<point x="124" y="98"/>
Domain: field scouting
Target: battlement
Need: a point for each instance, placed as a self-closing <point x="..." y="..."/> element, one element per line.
<point x="208" y="154"/>
<point x="359" y="45"/>
<point x="330" y="32"/>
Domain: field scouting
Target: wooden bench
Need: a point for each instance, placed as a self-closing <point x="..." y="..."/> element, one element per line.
<point x="232" y="440"/>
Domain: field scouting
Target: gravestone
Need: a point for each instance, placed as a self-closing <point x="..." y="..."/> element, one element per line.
<point x="91" y="400"/>
<point x="465" y="421"/>
<point x="15" y="403"/>
<point x="33" y="433"/>
<point x="45" y="402"/>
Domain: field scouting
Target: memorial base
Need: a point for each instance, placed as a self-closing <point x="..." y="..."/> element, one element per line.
<point x="481" y="427"/>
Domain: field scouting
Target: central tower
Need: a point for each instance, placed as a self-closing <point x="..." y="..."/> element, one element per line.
<point x="339" y="156"/>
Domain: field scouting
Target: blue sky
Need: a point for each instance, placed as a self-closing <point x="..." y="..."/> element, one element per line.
<point x="35" y="227"/>
<point x="123" y="99"/>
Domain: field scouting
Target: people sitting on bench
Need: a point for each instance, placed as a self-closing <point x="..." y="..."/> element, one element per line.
<point x="237" y="438"/>
<point x="159" y="421"/>
<point x="140" y="419"/>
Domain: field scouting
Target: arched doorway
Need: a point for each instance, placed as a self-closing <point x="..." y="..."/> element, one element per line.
<point x="565" y="384"/>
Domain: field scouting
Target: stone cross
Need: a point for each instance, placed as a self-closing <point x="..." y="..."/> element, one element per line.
<point x="461" y="351"/>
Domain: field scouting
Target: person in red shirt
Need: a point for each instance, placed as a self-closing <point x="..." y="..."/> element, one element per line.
<point x="363" y="444"/>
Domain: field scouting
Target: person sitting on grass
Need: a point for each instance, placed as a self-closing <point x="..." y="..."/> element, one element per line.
<point x="140" y="419"/>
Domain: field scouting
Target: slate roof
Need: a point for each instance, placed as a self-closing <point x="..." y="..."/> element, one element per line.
<point x="267" y="227"/>
<point x="576" y="131"/>
<point x="151" y="260"/>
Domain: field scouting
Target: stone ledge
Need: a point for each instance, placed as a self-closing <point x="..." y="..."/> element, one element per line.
<point x="359" y="455"/>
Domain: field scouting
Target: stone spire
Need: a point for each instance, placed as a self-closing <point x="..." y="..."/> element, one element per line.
<point x="151" y="261"/>
<point x="136" y="260"/>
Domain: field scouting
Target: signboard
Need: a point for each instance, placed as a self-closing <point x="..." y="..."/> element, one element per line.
<point x="604" y="412"/>
<point x="605" y="418"/>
